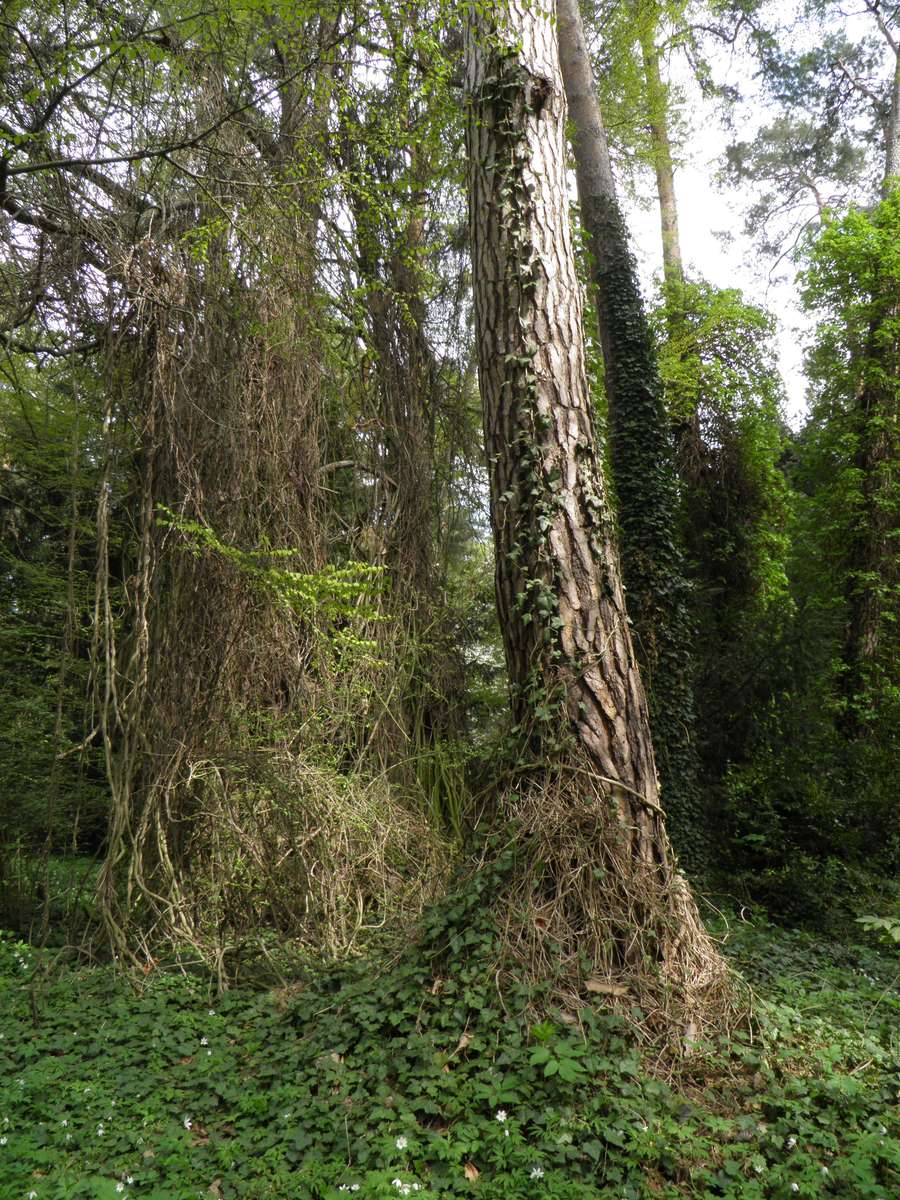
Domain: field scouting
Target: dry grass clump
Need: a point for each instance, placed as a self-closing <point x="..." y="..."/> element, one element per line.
<point x="583" y="909"/>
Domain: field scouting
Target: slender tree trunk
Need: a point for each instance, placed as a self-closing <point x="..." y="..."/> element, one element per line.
<point x="640" y="450"/>
<point x="673" y="268"/>
<point x="686" y="425"/>
<point x="601" y="881"/>
<point x="892" y="139"/>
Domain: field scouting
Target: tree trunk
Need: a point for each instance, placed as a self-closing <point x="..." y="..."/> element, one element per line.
<point x="892" y="138"/>
<point x="640" y="450"/>
<point x="600" y="881"/>
<point x="673" y="268"/>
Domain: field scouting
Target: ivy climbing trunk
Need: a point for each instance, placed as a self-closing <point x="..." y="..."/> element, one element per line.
<point x="600" y="881"/>
<point x="640" y="449"/>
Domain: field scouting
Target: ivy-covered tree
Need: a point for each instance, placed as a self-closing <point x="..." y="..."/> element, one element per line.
<point x="640" y="448"/>
<point x="600" y="881"/>
<point x="852" y="458"/>
<point x="722" y="382"/>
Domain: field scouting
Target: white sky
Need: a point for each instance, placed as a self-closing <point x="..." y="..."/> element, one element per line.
<point x="705" y="209"/>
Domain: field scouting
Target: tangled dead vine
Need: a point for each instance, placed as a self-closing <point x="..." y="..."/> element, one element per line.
<point x="318" y="857"/>
<point x="583" y="910"/>
<point x="203" y="671"/>
<point x="212" y="414"/>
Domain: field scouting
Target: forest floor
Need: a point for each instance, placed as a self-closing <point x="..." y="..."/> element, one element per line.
<point x="412" y="1076"/>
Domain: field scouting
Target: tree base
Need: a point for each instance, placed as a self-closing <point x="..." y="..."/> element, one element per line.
<point x="585" y="911"/>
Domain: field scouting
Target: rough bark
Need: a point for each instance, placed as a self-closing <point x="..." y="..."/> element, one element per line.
<point x="550" y="514"/>
<point x="576" y="688"/>
<point x="640" y="449"/>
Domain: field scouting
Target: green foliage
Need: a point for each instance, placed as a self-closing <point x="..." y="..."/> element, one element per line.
<point x="817" y="797"/>
<point x="416" y="1074"/>
<point x="51" y="787"/>
<point x="653" y="563"/>
<point x="628" y="104"/>
<point x="50" y="896"/>
<point x="724" y="398"/>
<point x="338" y="599"/>
<point x="827" y="85"/>
<point x="888" y="928"/>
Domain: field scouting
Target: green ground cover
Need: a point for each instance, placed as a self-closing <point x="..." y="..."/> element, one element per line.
<point x="415" y="1078"/>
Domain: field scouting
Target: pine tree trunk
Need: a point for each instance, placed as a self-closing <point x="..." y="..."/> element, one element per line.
<point x="601" y="882"/>
<point x="640" y="450"/>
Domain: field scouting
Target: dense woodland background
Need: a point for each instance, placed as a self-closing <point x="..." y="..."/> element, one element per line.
<point x="258" y="711"/>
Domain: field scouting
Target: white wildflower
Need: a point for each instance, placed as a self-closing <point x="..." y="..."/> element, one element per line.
<point x="758" y="1168"/>
<point x="401" y="1142"/>
<point x="537" y="1173"/>
<point x="188" y="1123"/>
<point x="64" y="1123"/>
<point x="120" y="1187"/>
<point x="882" y="1129"/>
<point x="791" y="1143"/>
<point x="3" y="1140"/>
<point x="204" y="1041"/>
<point x="825" y="1171"/>
<point x="32" y="1196"/>
<point x="501" y="1115"/>
<point x="212" y="1012"/>
<point x="100" y="1131"/>
<point x="795" y="1187"/>
<point x="129" y="1179"/>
